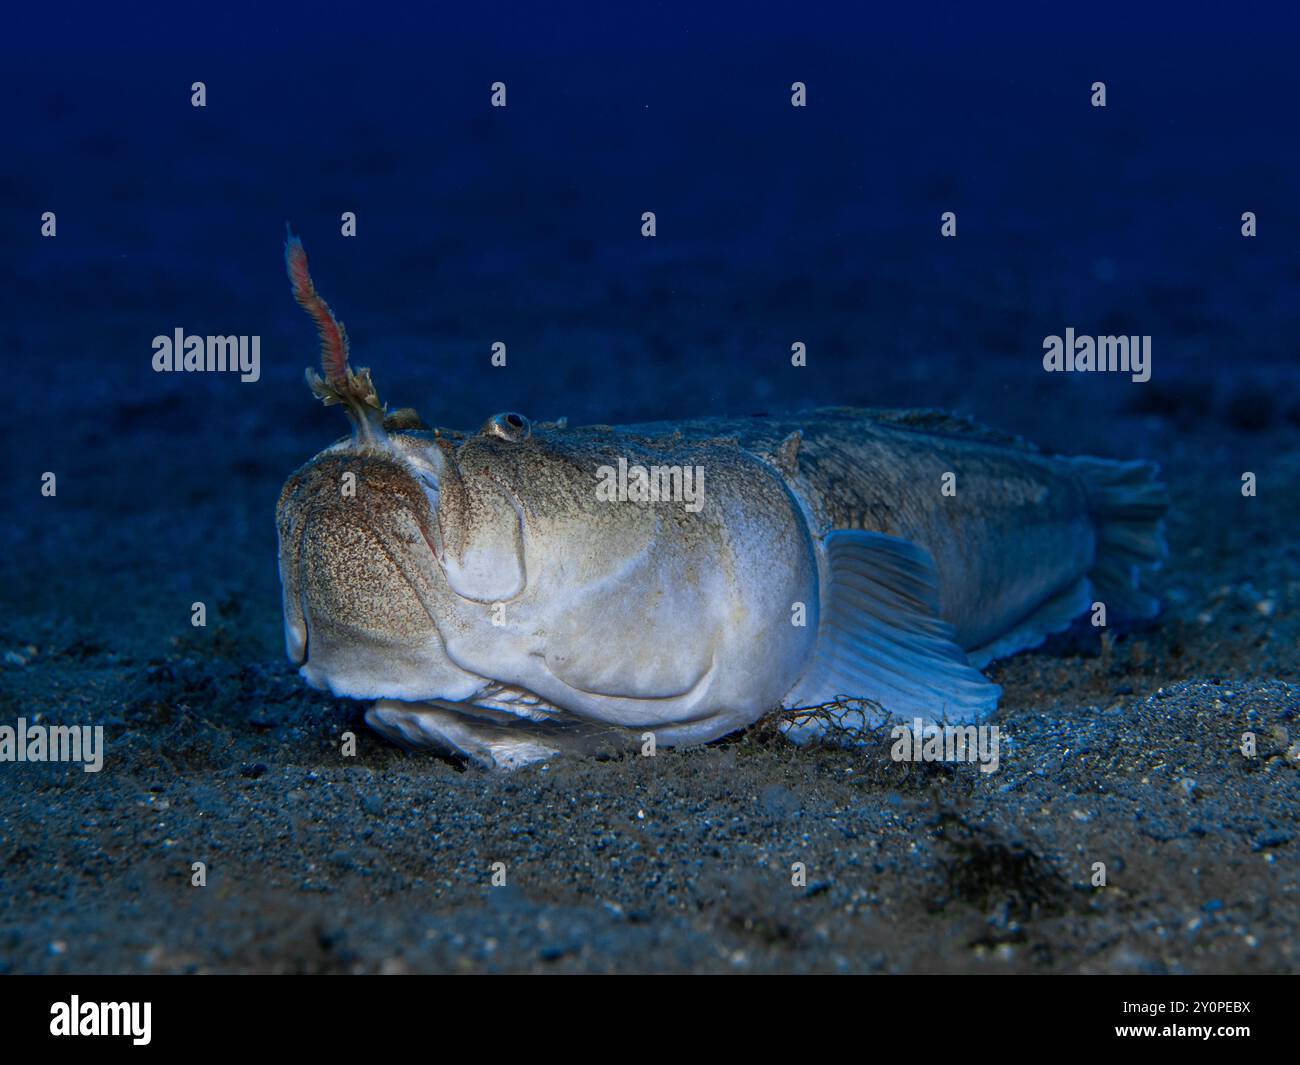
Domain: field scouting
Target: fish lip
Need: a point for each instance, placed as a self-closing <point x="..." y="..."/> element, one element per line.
<point x="297" y="647"/>
<point x="300" y="659"/>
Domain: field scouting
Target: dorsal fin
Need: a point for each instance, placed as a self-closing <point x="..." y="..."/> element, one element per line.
<point x="930" y="420"/>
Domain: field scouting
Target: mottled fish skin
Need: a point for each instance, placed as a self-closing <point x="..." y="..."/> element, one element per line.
<point x="471" y="563"/>
<point x="1016" y="532"/>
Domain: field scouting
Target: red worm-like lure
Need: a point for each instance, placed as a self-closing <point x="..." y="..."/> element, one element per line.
<point x="333" y="337"/>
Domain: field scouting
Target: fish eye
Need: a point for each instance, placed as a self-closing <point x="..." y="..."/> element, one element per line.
<point x="508" y="426"/>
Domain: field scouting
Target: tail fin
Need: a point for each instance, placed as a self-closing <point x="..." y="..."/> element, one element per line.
<point x="1128" y="503"/>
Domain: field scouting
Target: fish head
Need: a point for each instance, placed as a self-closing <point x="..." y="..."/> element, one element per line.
<point x="395" y="551"/>
<point x="431" y="565"/>
<point x="422" y="565"/>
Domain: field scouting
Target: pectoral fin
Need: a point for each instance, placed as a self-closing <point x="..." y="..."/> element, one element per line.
<point x="881" y="637"/>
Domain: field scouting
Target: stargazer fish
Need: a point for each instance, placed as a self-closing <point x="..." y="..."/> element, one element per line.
<point x="528" y="588"/>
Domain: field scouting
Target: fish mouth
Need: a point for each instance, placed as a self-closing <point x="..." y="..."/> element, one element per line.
<point x="360" y="578"/>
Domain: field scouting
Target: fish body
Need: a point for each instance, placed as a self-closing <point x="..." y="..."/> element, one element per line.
<point x="480" y="583"/>
<point x="524" y="590"/>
